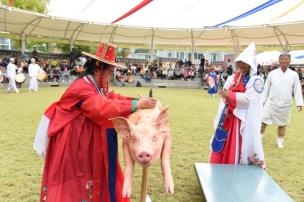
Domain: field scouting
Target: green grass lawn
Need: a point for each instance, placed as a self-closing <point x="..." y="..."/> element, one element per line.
<point x="192" y="113"/>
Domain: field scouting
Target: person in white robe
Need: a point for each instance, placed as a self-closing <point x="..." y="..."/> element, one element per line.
<point x="11" y="74"/>
<point x="237" y="135"/>
<point x="33" y="71"/>
<point x="280" y="85"/>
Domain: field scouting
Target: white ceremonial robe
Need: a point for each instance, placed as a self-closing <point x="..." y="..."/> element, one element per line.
<point x="277" y="96"/>
<point x="33" y="71"/>
<point x="249" y="110"/>
<point x="10" y="74"/>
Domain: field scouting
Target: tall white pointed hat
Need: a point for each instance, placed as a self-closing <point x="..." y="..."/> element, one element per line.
<point x="248" y="56"/>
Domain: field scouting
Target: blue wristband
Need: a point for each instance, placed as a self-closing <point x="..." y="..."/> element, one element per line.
<point x="134" y="101"/>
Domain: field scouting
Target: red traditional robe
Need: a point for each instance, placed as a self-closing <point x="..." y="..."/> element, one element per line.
<point x="231" y="152"/>
<point x="242" y="121"/>
<point x="81" y="162"/>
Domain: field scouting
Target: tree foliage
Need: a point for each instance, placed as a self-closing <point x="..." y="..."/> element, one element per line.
<point x="123" y="52"/>
<point x="33" y="5"/>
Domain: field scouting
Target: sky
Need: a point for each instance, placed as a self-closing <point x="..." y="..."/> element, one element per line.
<point x="176" y="13"/>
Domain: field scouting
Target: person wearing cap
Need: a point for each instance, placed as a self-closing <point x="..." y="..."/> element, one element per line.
<point x="77" y="138"/>
<point x="213" y="81"/>
<point x="237" y="135"/>
<point x="10" y="74"/>
<point x="280" y="84"/>
<point x="33" y="71"/>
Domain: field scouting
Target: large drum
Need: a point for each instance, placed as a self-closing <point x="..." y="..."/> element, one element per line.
<point x="20" y="78"/>
<point x="42" y="76"/>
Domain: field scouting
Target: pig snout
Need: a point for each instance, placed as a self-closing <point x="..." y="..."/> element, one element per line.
<point x="144" y="158"/>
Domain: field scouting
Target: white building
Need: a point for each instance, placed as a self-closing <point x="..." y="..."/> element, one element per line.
<point x="211" y="56"/>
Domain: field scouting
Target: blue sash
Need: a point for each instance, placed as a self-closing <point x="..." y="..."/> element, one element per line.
<point x="220" y="135"/>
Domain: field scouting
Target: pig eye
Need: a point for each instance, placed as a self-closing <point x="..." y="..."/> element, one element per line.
<point x="154" y="138"/>
<point x="134" y="139"/>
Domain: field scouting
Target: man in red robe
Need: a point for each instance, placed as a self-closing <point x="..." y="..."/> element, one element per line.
<point x="78" y="140"/>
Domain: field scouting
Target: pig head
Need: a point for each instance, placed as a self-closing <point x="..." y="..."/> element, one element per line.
<point x="146" y="138"/>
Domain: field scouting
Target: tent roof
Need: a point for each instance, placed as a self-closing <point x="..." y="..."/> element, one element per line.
<point x="18" y="21"/>
<point x="180" y="14"/>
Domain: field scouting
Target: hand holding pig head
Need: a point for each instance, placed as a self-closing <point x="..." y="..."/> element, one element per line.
<point x="146" y="103"/>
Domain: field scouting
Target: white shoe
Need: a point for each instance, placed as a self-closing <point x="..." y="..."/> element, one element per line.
<point x="148" y="198"/>
<point x="280" y="142"/>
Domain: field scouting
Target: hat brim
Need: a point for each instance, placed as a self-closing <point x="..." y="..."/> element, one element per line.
<point x="210" y="68"/>
<point x="105" y="61"/>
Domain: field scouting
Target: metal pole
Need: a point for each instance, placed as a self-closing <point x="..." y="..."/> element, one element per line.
<point x="23" y="42"/>
<point x="192" y="46"/>
<point x="72" y="43"/>
<point x="144" y="180"/>
<point x="152" y="46"/>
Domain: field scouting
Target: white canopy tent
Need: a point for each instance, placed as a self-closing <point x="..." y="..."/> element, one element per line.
<point x="272" y="57"/>
<point x="268" y="57"/>
<point x="25" y="23"/>
<point x="297" y="57"/>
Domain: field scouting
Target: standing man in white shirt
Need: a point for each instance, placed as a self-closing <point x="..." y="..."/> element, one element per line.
<point x="33" y="71"/>
<point x="10" y="74"/>
<point x="280" y="85"/>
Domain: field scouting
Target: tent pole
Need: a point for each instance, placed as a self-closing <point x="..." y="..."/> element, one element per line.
<point x="152" y="45"/>
<point x="113" y="34"/>
<point x="73" y="38"/>
<point x="192" y="46"/>
<point x="285" y="46"/>
<point x="72" y="43"/>
<point x="23" y="42"/>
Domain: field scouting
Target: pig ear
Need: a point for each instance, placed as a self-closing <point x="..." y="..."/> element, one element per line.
<point x="122" y="126"/>
<point x="162" y="119"/>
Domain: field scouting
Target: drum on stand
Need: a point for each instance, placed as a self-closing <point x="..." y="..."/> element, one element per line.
<point x="42" y="76"/>
<point x="20" y="78"/>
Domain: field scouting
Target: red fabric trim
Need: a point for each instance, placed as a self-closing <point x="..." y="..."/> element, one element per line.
<point x="232" y="99"/>
<point x="133" y="10"/>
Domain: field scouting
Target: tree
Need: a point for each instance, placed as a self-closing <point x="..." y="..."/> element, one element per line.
<point x="33" y="5"/>
<point x="122" y="52"/>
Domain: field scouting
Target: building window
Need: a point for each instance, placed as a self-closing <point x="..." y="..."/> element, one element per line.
<point x="200" y="56"/>
<point x="5" y="44"/>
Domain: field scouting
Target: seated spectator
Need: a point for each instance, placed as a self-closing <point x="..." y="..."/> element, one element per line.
<point x="142" y="72"/>
<point x="191" y="73"/>
<point x="177" y="73"/>
<point x="185" y="73"/>
<point x="65" y="71"/>
<point x="56" y="75"/>
<point x="154" y="74"/>
<point x="148" y="76"/>
<point x="159" y="73"/>
<point x="165" y="73"/>
<point x="170" y="73"/>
